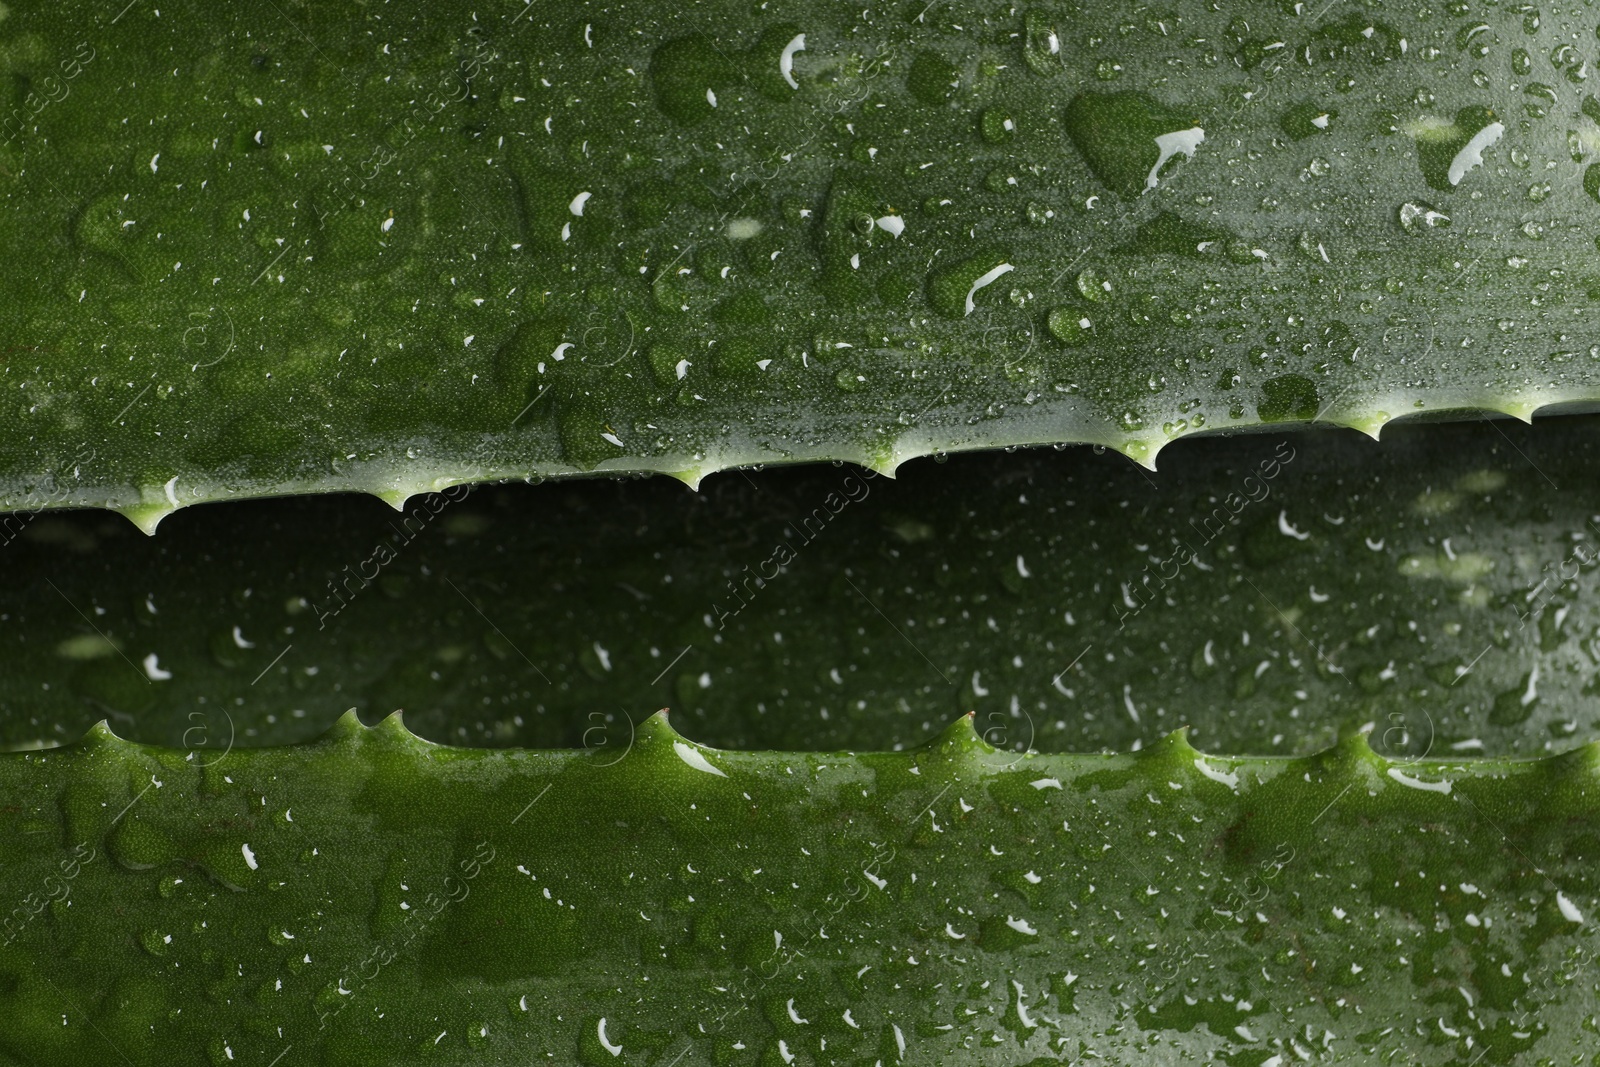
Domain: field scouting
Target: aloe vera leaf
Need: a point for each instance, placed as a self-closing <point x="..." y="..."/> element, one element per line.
<point x="309" y="252"/>
<point x="370" y="898"/>
<point x="1441" y="586"/>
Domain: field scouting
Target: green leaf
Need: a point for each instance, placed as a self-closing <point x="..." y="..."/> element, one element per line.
<point x="291" y="254"/>
<point x="370" y="898"/>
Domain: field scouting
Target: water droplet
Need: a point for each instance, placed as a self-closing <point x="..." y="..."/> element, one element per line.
<point x="1418" y="217"/>
<point x="997" y="126"/>
<point x="1128" y="139"/>
<point x="1041" y="44"/>
<point x="686" y="72"/>
<point x="1069" y="326"/>
<point x="154" y="941"/>
<point x="1313" y="247"/>
<point x="1307" y="120"/>
<point x="1171" y="234"/>
<point x="1446" y="152"/>
<point x="953" y="290"/>
<point x="1092" y="286"/>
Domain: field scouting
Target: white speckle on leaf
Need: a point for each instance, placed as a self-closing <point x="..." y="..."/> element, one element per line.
<point x="692" y="756"/>
<point x="1226" y="778"/>
<point x="605" y="1043"/>
<point x="1417" y="783"/>
<point x="987" y="278"/>
<point x="1169" y="145"/>
<point x="786" y="59"/>
<point x="1471" y="153"/>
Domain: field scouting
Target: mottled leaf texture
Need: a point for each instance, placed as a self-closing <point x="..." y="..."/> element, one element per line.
<point x="284" y="248"/>
<point x="370" y="898"/>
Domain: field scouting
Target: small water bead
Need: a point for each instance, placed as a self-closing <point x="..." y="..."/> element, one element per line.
<point x="1000" y="180"/>
<point x="1069" y="326"/>
<point x="1316" y="168"/>
<point x="1418" y="217"/>
<point x="1473" y="38"/>
<point x="1041" y="43"/>
<point x="1307" y="120"/>
<point x="1092" y="286"/>
<point x="997" y="126"/>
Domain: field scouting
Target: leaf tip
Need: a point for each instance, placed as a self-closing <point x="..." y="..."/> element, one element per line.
<point x="1141" y="451"/>
<point x="887" y="466"/>
<point x="146" y="516"/>
<point x="101" y="734"/>
<point x="1354" y="744"/>
<point x="658" y="724"/>
<point x="346" y="726"/>
<point x="960" y="736"/>
<point x="393" y="727"/>
<point x="691" y="477"/>
<point x="1371" y="424"/>
<point x="1521" y="410"/>
<point x="1170" y="746"/>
